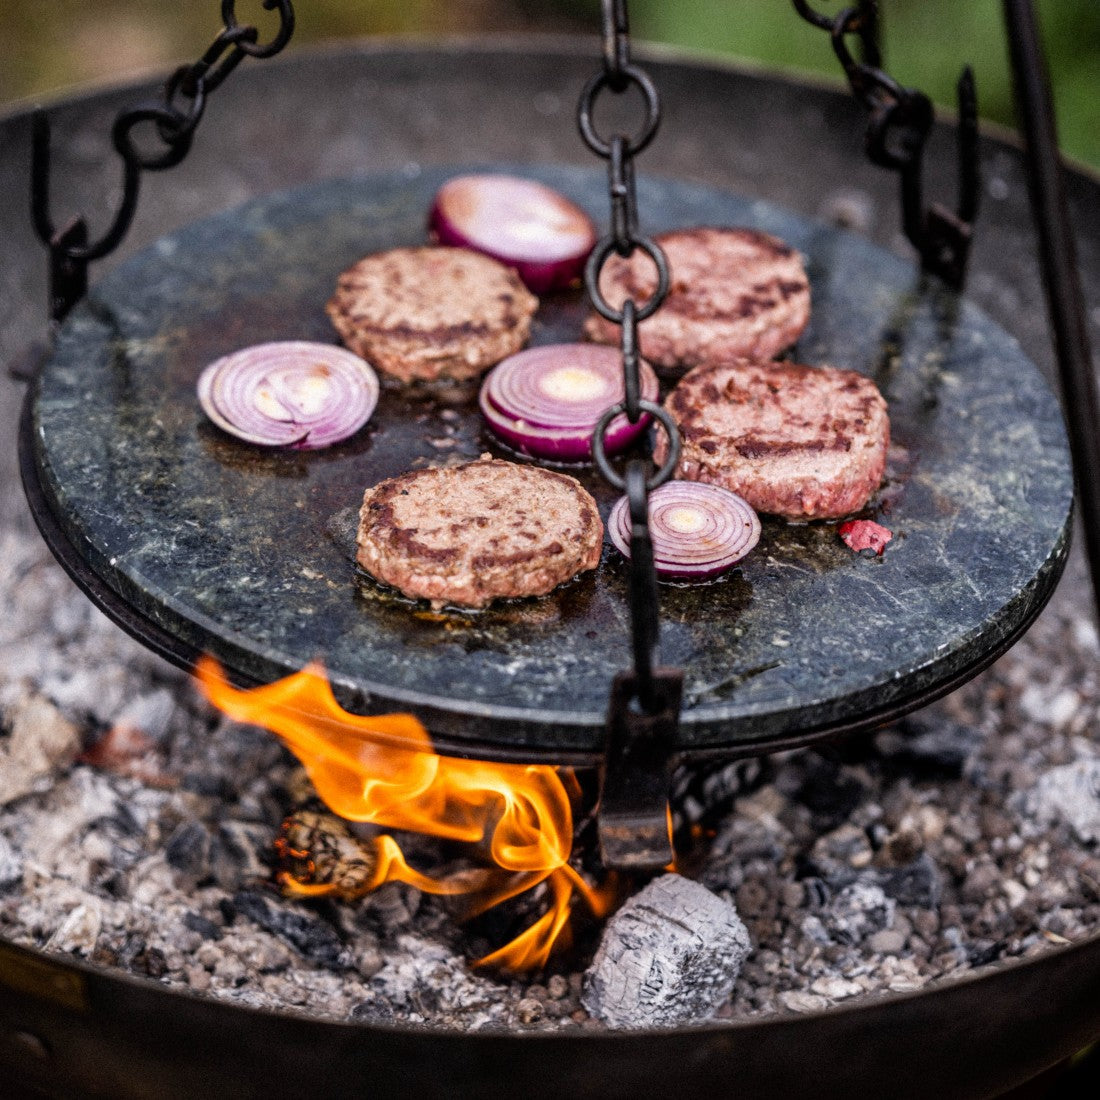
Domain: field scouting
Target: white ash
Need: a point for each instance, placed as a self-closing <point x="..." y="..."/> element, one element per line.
<point x="11" y="865"/>
<point x="39" y="738"/>
<point x="962" y="835"/>
<point x="668" y="957"/>
<point x="150" y="714"/>
<point x="1070" y="794"/>
<point x="858" y="911"/>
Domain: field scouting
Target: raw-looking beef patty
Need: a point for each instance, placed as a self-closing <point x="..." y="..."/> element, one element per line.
<point x="432" y="312"/>
<point x="470" y="534"/>
<point x="795" y="441"/>
<point x="734" y="293"/>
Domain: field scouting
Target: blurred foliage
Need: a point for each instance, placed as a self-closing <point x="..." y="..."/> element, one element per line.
<point x="49" y="44"/>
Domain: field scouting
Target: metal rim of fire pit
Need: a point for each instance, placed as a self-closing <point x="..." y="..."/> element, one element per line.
<point x="65" y="1022"/>
<point x="840" y="1052"/>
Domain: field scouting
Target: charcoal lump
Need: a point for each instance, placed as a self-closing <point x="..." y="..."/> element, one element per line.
<point x="669" y="956"/>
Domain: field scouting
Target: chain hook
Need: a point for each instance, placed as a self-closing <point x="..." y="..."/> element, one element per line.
<point x="173" y="119"/>
<point x="644" y="708"/>
<point x="897" y="131"/>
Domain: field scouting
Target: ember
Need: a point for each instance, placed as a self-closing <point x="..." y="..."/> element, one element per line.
<point x="382" y="770"/>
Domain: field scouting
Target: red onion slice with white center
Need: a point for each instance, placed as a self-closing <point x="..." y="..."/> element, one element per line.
<point x="290" y="394"/>
<point x="546" y="401"/>
<point x="520" y="222"/>
<point x="698" y="530"/>
<point x="550" y="444"/>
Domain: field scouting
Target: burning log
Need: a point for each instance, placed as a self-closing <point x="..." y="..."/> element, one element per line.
<point x="318" y="849"/>
<point x="669" y="956"/>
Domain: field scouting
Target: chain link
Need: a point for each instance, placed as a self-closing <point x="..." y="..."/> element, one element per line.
<point x="632" y="382"/>
<point x="618" y="75"/>
<point x="616" y="43"/>
<point x="171" y="121"/>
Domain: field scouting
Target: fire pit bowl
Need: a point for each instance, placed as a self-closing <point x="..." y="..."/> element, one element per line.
<point x="67" y="1028"/>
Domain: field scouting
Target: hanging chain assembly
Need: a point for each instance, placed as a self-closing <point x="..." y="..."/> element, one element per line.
<point x="897" y="131"/>
<point x="644" y="709"/>
<point x="170" y="121"/>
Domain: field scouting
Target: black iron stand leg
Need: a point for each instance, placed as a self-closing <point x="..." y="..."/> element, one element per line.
<point x="1061" y="281"/>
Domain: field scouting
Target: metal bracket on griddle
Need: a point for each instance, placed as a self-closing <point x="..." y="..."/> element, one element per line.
<point x="68" y="276"/>
<point x="68" y="283"/>
<point x="633" y="814"/>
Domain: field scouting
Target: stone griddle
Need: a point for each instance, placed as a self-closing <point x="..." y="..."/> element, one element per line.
<point x="248" y="553"/>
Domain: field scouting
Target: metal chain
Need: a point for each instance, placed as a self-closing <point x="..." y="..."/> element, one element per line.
<point x="618" y="74"/>
<point x="171" y="120"/>
<point x="900" y="121"/>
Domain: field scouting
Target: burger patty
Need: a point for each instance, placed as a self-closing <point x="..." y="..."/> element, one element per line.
<point x="734" y="293"/>
<point x="432" y="312"/>
<point x="795" y="441"/>
<point x="470" y="534"/>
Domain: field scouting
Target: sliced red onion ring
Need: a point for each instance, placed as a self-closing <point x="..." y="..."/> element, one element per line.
<point x="520" y="222"/>
<point x="698" y="530"/>
<point x="290" y="394"/>
<point x="545" y="401"/>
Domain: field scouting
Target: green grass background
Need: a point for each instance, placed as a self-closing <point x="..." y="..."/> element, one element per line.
<point x="46" y="44"/>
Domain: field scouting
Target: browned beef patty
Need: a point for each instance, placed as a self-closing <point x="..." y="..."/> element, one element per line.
<point x="474" y="533"/>
<point x="427" y="313"/>
<point x="794" y="441"/>
<point x="734" y="293"/>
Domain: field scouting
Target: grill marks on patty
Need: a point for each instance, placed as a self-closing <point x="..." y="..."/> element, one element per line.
<point x="470" y="534"/>
<point x="796" y="441"/>
<point x="432" y="312"/>
<point x="733" y="293"/>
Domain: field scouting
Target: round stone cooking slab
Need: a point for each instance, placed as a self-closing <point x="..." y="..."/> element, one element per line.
<point x="247" y="553"/>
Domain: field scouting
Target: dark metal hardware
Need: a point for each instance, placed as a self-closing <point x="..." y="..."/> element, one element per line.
<point x="633" y="818"/>
<point x="643" y="717"/>
<point x="1058" y="256"/>
<point x="599" y="449"/>
<point x="172" y="119"/>
<point x="632" y="381"/>
<point x="900" y="121"/>
<point x="598" y="258"/>
<point x="615" y="30"/>
<point x="645" y="625"/>
<point x="631" y="74"/>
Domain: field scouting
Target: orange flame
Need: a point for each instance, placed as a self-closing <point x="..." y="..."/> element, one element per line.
<point x="382" y="770"/>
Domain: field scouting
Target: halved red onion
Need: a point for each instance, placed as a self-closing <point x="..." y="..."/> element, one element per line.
<point x="546" y="401"/>
<point x="290" y="394"/>
<point x="698" y="530"/>
<point x="520" y="222"/>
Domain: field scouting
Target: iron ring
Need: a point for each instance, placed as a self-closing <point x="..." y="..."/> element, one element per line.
<point x="599" y="452"/>
<point x="629" y="74"/>
<point x="258" y="49"/>
<point x="171" y="129"/>
<point x="594" y="266"/>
